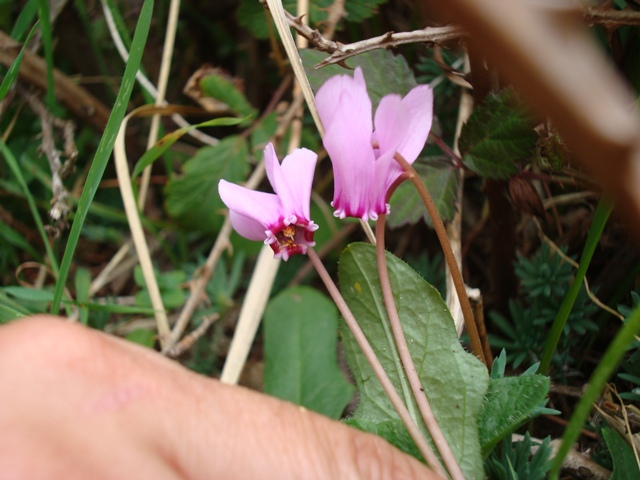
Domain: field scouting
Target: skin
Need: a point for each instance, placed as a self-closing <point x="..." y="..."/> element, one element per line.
<point x="76" y="403"/>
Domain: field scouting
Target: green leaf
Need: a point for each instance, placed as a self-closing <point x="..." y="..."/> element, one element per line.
<point x="29" y="294"/>
<point x="142" y="336"/>
<point x="442" y="181"/>
<point x="625" y="466"/>
<point x="105" y="147"/>
<point x="193" y="199"/>
<point x="300" y="340"/>
<point x="383" y="71"/>
<point x="393" y="431"/>
<point x="169" y="284"/>
<point x="510" y="401"/>
<point x="454" y="380"/>
<point x="498" y="135"/>
<point x="220" y="88"/>
<point x="165" y="142"/>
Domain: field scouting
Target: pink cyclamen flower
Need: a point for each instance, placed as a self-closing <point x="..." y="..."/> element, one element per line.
<point x="362" y="156"/>
<point x="282" y="219"/>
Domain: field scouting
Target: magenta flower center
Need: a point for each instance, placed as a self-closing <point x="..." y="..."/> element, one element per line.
<point x="291" y="237"/>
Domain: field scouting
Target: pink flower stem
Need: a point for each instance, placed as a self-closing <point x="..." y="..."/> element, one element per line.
<point x="376" y="366"/>
<point x="441" y="232"/>
<point x="457" y="161"/>
<point x="407" y="361"/>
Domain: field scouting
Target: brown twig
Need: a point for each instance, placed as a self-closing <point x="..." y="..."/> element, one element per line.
<point x="611" y="17"/>
<point x="430" y="36"/>
<point x="470" y="324"/>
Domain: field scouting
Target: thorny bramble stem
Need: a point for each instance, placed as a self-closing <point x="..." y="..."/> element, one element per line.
<point x="407" y="361"/>
<point x="376" y="366"/>
<point x="469" y="321"/>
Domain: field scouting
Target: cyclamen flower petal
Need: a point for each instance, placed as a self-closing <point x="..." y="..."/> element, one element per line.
<point x="362" y="157"/>
<point x="280" y="219"/>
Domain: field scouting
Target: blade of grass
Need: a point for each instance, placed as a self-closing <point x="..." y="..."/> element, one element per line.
<point x="600" y="218"/>
<point x="607" y="365"/>
<point x="106" y="146"/>
<point x="28" y="13"/>
<point x="15" y="168"/>
<point x="47" y="40"/>
<point x="12" y="73"/>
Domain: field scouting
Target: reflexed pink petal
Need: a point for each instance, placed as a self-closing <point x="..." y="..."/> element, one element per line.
<point x="419" y="104"/>
<point x="344" y="92"/>
<point x="283" y="189"/>
<point x="391" y="123"/>
<point x="298" y="169"/>
<point x="247" y="227"/>
<point x="264" y="208"/>
<point x="348" y="142"/>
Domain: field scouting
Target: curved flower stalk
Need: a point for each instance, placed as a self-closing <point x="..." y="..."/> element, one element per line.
<point x="282" y="219"/>
<point x="362" y="149"/>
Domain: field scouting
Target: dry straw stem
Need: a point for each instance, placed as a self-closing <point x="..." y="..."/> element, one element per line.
<point x="135" y="225"/>
<point x="552" y="62"/>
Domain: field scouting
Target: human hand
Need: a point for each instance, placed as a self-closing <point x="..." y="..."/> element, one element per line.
<point x="76" y="403"/>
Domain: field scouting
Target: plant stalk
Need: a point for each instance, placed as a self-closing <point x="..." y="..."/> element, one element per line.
<point x="376" y="366"/>
<point x="469" y="321"/>
<point x="407" y="361"/>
